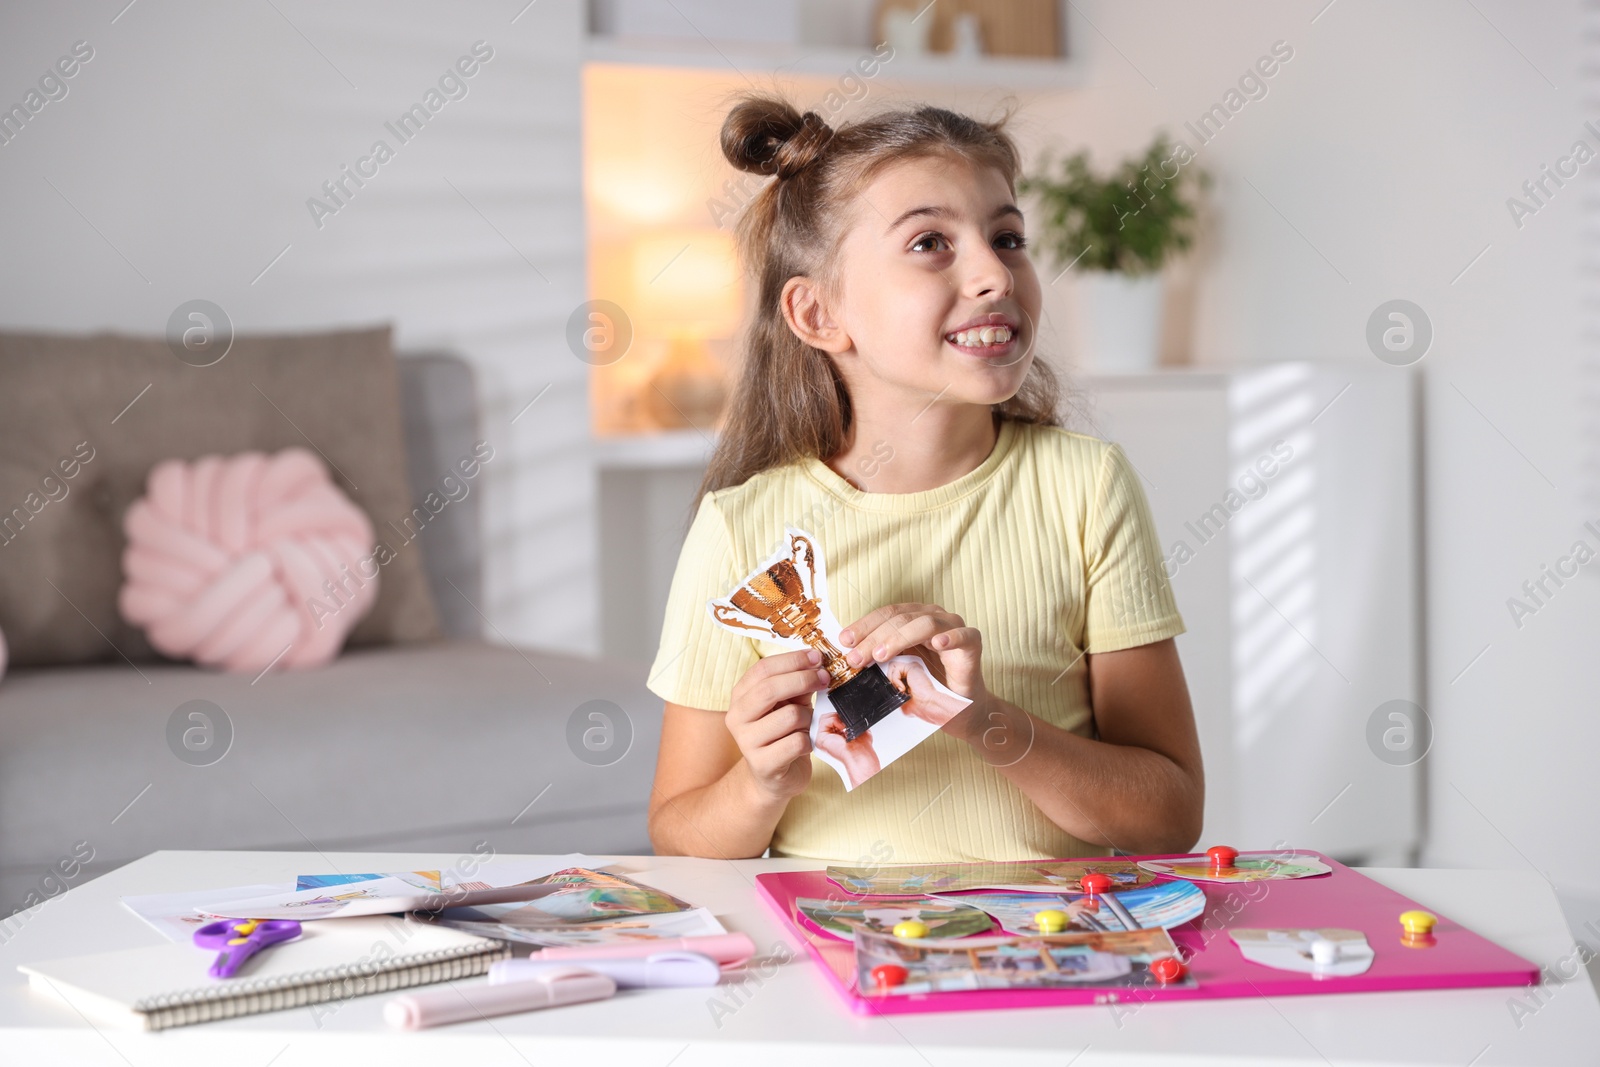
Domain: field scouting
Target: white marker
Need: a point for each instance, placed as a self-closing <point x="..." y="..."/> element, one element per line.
<point x="671" y="968"/>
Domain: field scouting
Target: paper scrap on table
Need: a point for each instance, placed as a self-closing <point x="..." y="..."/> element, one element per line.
<point x="1165" y="905"/>
<point x="377" y="896"/>
<point x="944" y="917"/>
<point x="429" y="880"/>
<point x="1114" y="959"/>
<point x="696" y="922"/>
<point x="785" y="601"/>
<point x="1247" y="867"/>
<point x="1290" y="949"/>
<point x="1020" y="875"/>
<point x="176" y="916"/>
<point x="591" y="908"/>
<point x="584" y="896"/>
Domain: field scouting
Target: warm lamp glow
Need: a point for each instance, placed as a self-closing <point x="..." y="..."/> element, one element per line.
<point x="628" y="195"/>
<point x="686" y="283"/>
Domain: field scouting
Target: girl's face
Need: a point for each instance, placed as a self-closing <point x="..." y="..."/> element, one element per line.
<point x="934" y="247"/>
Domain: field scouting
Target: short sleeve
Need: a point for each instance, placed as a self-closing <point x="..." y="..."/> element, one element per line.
<point x="1129" y="598"/>
<point x="699" y="661"/>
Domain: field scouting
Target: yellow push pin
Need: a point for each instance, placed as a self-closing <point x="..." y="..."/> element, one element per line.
<point x="1418" y="923"/>
<point x="1050" y="921"/>
<point x="1417" y="929"/>
<point x="910" y="929"/>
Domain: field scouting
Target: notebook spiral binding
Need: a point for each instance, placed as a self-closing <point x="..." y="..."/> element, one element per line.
<point x="228" y="999"/>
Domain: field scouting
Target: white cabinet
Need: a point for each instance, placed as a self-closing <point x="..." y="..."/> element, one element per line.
<point x="1287" y="503"/>
<point x="1286" y="500"/>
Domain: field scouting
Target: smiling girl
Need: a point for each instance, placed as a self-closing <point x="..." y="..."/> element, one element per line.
<point x="891" y="404"/>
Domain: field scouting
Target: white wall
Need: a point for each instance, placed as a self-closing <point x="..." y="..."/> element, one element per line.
<point x="191" y="142"/>
<point x="1378" y="166"/>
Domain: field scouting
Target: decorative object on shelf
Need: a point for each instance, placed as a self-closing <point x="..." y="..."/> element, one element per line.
<point x="1119" y="231"/>
<point x="972" y="27"/>
<point x="686" y="293"/>
<point x="687" y="388"/>
<point x="904" y="32"/>
<point x="967" y="36"/>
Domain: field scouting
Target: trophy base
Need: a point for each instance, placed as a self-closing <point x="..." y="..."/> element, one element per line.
<point x="864" y="700"/>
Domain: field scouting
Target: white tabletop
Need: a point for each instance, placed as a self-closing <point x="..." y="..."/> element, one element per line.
<point x="794" y="1016"/>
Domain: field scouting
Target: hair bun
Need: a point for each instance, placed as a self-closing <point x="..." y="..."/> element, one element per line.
<point x="765" y="135"/>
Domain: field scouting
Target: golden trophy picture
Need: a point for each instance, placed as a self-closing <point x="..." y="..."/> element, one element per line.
<point x="870" y="715"/>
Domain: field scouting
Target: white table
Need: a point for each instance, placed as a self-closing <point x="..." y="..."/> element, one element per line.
<point x="794" y="1016"/>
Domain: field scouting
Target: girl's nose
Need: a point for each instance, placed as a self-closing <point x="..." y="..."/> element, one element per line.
<point x="987" y="275"/>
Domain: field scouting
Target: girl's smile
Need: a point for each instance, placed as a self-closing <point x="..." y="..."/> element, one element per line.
<point x="994" y="337"/>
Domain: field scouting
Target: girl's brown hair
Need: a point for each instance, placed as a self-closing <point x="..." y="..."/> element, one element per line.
<point x="789" y="402"/>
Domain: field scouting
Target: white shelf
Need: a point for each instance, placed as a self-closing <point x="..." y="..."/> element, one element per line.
<point x="1011" y="72"/>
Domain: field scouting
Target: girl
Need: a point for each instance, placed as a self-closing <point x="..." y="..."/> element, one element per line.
<point x="890" y="403"/>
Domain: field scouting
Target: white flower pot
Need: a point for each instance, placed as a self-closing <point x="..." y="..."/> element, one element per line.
<point x="1119" y="321"/>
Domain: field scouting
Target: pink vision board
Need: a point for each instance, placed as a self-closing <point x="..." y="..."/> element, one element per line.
<point x="1457" y="959"/>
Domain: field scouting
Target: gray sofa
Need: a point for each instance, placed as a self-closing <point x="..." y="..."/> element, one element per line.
<point x="440" y="746"/>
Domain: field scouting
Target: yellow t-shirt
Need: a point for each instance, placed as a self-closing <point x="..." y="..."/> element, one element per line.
<point x="1047" y="547"/>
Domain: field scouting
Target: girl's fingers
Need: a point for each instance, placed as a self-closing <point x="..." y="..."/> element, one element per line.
<point x="900" y="632"/>
<point x="960" y="637"/>
<point x="872" y="620"/>
<point x="761" y="689"/>
<point x="782" y="688"/>
<point x="778" y="724"/>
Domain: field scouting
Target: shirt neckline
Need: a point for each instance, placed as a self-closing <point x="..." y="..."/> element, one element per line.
<point x="829" y="479"/>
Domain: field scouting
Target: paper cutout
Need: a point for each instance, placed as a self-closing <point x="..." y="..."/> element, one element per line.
<point x="943" y="918"/>
<point x="176" y="916"/>
<point x="427" y="880"/>
<point x="1290" y="950"/>
<point x="696" y="922"/>
<point x="869" y="716"/>
<point x="1072" y="960"/>
<point x="1021" y="875"/>
<point x="388" y="893"/>
<point x="1163" y="905"/>
<point x="588" y="895"/>
<point x="1248" y="867"/>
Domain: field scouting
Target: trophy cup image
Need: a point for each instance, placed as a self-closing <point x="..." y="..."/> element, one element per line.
<point x="785" y="600"/>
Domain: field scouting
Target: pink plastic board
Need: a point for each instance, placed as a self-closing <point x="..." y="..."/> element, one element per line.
<point x="1457" y="959"/>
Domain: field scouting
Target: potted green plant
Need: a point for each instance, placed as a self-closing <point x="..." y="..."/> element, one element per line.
<point x="1117" y="232"/>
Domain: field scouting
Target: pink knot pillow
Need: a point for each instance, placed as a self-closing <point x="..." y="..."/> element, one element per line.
<point x="232" y="560"/>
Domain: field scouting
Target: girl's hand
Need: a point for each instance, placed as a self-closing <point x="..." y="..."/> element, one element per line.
<point x="889" y="631"/>
<point x="769" y="716"/>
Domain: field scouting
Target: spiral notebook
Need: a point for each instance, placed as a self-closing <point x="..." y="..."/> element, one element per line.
<point x="162" y="986"/>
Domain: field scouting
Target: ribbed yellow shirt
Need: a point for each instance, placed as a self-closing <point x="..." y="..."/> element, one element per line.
<point x="1047" y="547"/>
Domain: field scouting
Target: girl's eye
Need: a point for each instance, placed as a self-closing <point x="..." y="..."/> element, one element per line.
<point x="1010" y="241"/>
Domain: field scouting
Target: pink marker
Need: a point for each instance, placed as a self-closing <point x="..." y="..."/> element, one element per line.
<point x="726" y="949"/>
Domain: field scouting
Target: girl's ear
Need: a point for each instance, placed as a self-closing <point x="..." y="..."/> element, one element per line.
<point x="803" y="309"/>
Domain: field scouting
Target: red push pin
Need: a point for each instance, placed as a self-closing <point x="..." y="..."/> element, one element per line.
<point x="1222" y="857"/>
<point x="1168" y="969"/>
<point x="1094" y="883"/>
<point x="888" y="975"/>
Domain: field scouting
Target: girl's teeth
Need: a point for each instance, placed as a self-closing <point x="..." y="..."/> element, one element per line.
<point x="988" y="335"/>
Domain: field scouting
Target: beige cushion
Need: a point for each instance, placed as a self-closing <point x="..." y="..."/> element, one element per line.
<point x="64" y="398"/>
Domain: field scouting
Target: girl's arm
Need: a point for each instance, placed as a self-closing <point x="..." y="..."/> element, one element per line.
<point x="723" y="779"/>
<point x="1138" y="788"/>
